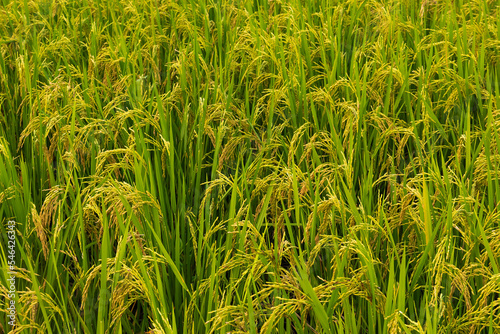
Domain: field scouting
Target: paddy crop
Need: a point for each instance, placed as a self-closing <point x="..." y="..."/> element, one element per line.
<point x="253" y="167"/>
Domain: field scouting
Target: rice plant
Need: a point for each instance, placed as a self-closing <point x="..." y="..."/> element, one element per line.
<point x="260" y="166"/>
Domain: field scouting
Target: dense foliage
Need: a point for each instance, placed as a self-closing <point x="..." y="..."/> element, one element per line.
<point x="263" y="166"/>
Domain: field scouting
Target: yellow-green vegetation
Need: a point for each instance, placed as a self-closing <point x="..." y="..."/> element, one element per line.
<point x="263" y="166"/>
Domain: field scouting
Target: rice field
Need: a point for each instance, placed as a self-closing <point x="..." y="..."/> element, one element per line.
<point x="261" y="166"/>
